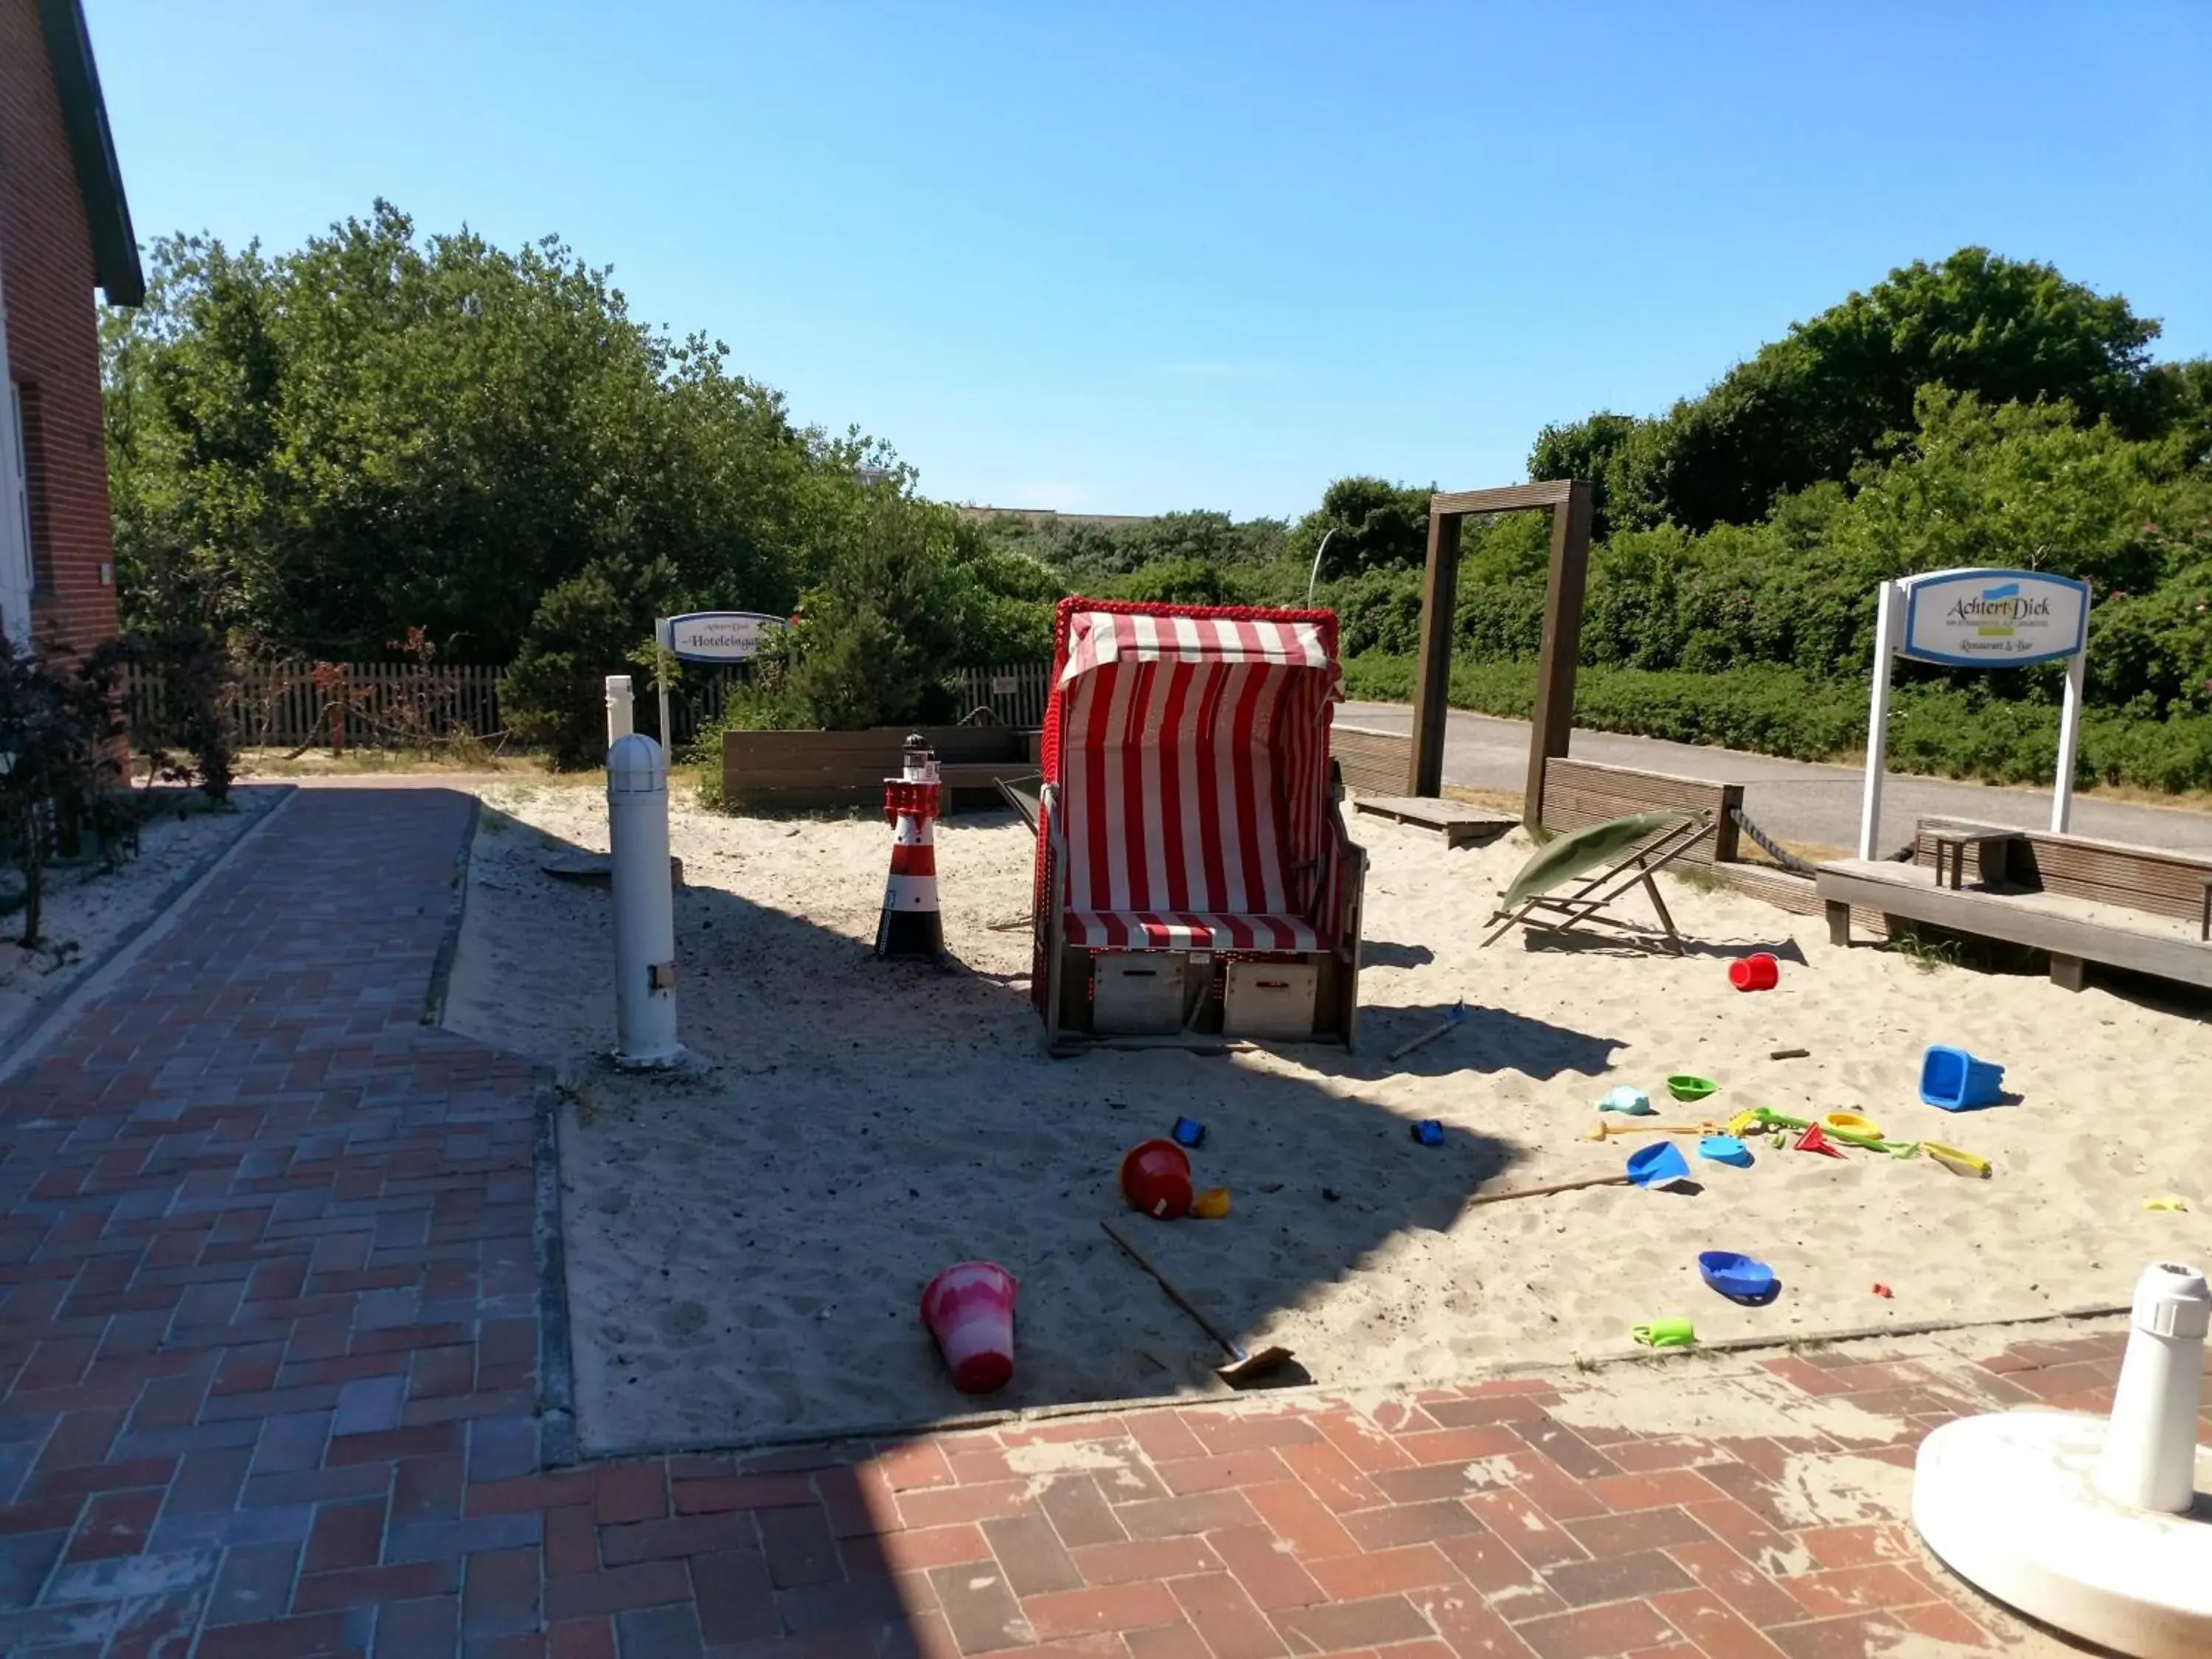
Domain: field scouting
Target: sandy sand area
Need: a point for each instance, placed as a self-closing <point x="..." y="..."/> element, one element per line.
<point x="89" y="910"/>
<point x="746" y="1241"/>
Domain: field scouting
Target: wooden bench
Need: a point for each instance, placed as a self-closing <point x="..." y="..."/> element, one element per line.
<point x="2072" y="930"/>
<point x="2151" y="879"/>
<point x="802" y="771"/>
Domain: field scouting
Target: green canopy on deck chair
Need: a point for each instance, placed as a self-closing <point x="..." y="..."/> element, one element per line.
<point x="1581" y="851"/>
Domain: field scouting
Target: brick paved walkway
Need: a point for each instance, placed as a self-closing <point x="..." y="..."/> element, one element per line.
<point x="270" y="1341"/>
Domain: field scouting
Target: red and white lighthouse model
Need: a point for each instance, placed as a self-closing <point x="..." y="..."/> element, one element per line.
<point x="911" y="926"/>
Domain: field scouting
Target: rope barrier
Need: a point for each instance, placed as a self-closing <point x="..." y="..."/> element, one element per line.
<point x="1782" y="856"/>
<point x="1790" y="861"/>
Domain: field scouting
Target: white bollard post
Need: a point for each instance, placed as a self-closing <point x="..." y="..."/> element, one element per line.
<point x="645" y="905"/>
<point x="620" y="721"/>
<point x="2150" y="1459"/>
<point x="2084" y="1522"/>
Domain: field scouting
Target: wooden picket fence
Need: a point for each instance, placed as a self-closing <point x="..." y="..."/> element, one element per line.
<point x="1016" y="693"/>
<point x="377" y="705"/>
<point x="295" y="704"/>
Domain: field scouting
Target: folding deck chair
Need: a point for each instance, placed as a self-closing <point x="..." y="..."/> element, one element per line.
<point x="1630" y="850"/>
<point x="1195" y="883"/>
<point x="1022" y="797"/>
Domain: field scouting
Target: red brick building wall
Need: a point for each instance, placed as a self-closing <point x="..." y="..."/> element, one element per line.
<point x="46" y="277"/>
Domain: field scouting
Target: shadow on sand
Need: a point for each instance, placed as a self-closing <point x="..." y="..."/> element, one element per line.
<point x="745" y="1241"/>
<point x="1784" y="949"/>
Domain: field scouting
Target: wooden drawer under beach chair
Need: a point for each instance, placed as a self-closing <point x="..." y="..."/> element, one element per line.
<point x="1137" y="992"/>
<point x="1269" y="998"/>
<point x="1203" y="997"/>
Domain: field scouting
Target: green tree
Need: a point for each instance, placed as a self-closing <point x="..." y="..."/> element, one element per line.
<point x="1004" y="600"/>
<point x="880" y="634"/>
<point x="1179" y="581"/>
<point x="1812" y="406"/>
<point x="584" y="628"/>
<point x="312" y="452"/>
<point x="1369" y="523"/>
<point x="1091" y="555"/>
<point x="1626" y="459"/>
<point x="2178" y="399"/>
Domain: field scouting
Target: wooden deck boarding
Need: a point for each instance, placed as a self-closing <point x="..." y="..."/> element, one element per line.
<point x="1459" y="823"/>
<point x="1374" y="765"/>
<point x="2152" y="879"/>
<point x="2074" y="931"/>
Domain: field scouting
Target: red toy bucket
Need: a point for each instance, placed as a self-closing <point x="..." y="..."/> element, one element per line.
<point x="969" y="1309"/>
<point x="1754" y="973"/>
<point x="1155" y="1178"/>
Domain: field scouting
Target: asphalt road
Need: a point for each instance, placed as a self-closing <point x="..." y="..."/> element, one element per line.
<point x="1792" y="800"/>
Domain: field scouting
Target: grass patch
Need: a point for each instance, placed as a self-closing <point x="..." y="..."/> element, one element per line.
<point x="1698" y="878"/>
<point x="1928" y="951"/>
<point x="467" y="754"/>
<point x="577" y="1092"/>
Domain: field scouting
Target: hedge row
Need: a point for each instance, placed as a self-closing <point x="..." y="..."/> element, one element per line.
<point x="1933" y="729"/>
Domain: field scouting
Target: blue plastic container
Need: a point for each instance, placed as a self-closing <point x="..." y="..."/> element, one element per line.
<point x="1739" y="1277"/>
<point x="1189" y="1131"/>
<point x="1428" y="1131"/>
<point x="1955" y="1081"/>
<point x="1725" y="1149"/>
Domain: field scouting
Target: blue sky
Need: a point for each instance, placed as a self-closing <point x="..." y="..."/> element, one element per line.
<point x="1134" y="258"/>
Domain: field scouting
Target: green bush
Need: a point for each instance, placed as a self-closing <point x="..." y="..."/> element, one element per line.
<point x="184" y="731"/>
<point x="1176" y="581"/>
<point x="61" y="740"/>
<point x="554" y="693"/>
<point x="1933" y="728"/>
<point x="1379" y="612"/>
<point x="1004" y="599"/>
<point x="1971" y="483"/>
<point x="1370" y="525"/>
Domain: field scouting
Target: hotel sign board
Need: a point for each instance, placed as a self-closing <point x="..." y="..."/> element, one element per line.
<point x="718" y="636"/>
<point x="1993" y="619"/>
<point x="1979" y="619"/>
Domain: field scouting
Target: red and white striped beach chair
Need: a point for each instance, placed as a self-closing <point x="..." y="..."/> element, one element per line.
<point x="1193" y="879"/>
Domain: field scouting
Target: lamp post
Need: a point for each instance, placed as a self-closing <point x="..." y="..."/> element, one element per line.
<point x="1314" y="575"/>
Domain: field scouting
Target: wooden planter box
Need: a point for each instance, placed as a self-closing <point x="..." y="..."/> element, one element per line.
<point x="802" y="771"/>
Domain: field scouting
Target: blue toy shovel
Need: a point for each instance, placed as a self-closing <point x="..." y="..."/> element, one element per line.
<point x="1658" y="1164"/>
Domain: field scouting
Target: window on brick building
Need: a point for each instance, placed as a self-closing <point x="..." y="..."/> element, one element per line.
<point x="30" y="445"/>
<point x="17" y="565"/>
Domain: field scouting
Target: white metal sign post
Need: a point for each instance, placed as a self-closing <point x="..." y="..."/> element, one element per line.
<point x="708" y="636"/>
<point x="1978" y="619"/>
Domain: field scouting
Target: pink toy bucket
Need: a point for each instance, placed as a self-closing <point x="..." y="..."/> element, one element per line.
<point x="1755" y="973"/>
<point x="969" y="1309"/>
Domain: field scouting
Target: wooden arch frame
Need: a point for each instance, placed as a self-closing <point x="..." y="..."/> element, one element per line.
<point x="1567" y="501"/>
